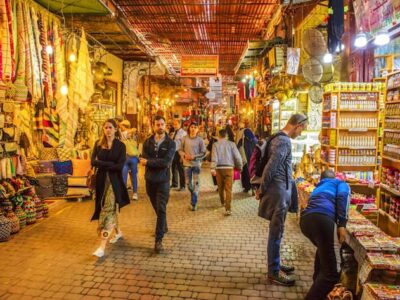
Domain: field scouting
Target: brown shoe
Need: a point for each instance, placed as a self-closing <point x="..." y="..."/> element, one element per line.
<point x="158" y="247"/>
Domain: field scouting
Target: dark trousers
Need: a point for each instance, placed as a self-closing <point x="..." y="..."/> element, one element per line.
<point x="321" y="231"/>
<point x="275" y="234"/>
<point x="246" y="177"/>
<point x="159" y="195"/>
<point x="177" y="171"/>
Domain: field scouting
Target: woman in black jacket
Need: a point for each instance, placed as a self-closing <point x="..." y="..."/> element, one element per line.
<point x="108" y="158"/>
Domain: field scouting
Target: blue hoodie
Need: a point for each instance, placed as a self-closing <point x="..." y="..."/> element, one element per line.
<point x="331" y="197"/>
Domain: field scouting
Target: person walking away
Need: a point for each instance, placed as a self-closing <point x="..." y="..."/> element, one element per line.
<point x="130" y="139"/>
<point x="323" y="222"/>
<point x="177" y="166"/>
<point x="157" y="156"/>
<point x="193" y="150"/>
<point x="225" y="157"/>
<point x="246" y="141"/>
<point x="229" y="132"/>
<point x="211" y="140"/>
<point x="108" y="157"/>
<point x="275" y="195"/>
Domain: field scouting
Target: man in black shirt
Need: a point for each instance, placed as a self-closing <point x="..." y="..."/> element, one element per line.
<point x="158" y="152"/>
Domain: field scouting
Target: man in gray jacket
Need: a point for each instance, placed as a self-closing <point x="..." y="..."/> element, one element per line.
<point x="275" y="195"/>
<point x="192" y="151"/>
<point x="225" y="156"/>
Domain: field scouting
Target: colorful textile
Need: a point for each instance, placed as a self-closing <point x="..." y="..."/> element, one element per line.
<point x="81" y="167"/>
<point x="64" y="153"/>
<point x="108" y="216"/>
<point x="48" y="154"/>
<point x="63" y="167"/>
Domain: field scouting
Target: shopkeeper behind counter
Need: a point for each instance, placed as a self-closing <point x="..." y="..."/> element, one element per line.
<point x="323" y="222"/>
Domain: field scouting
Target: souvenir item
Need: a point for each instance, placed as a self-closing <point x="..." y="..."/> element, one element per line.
<point x="48" y="154"/>
<point x="14" y="221"/>
<point x="30" y="210"/>
<point x="60" y="185"/>
<point x="21" y="215"/>
<point x="80" y="167"/>
<point x="64" y="154"/>
<point x="5" y="228"/>
<point x="64" y="167"/>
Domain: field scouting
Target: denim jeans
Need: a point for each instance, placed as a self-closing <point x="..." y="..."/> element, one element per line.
<point x="276" y="228"/>
<point x="192" y="178"/>
<point x="131" y="164"/>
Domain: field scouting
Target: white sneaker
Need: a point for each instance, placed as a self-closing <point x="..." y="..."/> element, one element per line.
<point x="99" y="252"/>
<point x="134" y="196"/>
<point x="116" y="238"/>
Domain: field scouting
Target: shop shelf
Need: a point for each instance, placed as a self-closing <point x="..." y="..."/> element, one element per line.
<point x="392" y="117"/>
<point x="391" y="218"/>
<point x="358" y="110"/>
<point x="392" y="102"/>
<point x="391" y="159"/>
<point x="358" y="129"/>
<point x="391" y="130"/>
<point x="390" y="190"/>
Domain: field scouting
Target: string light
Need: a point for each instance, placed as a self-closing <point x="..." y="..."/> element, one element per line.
<point x="72" y="57"/>
<point x="49" y="49"/>
<point x="64" y="89"/>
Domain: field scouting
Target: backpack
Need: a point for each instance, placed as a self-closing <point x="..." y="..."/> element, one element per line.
<point x="259" y="159"/>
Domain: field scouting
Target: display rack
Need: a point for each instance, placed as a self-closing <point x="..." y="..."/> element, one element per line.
<point x="350" y="128"/>
<point x="389" y="204"/>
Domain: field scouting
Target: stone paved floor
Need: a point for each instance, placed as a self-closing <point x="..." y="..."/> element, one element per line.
<point x="208" y="255"/>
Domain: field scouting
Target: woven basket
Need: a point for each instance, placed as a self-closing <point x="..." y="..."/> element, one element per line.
<point x="5" y="228"/>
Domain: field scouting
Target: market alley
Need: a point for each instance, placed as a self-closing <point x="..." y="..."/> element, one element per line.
<point x="208" y="255"/>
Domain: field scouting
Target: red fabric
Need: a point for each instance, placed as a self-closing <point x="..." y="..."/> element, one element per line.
<point x="242" y="91"/>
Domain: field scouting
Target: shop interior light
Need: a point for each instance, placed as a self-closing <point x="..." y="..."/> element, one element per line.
<point x="72" y="57"/>
<point x="339" y="48"/>
<point x="49" y="49"/>
<point x="244" y="80"/>
<point x="382" y="38"/>
<point x="255" y="71"/>
<point x="328" y="58"/>
<point x="361" y="40"/>
<point x="64" y="89"/>
<point x="247" y="76"/>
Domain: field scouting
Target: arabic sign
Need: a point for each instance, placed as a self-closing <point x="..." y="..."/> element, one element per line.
<point x="199" y="65"/>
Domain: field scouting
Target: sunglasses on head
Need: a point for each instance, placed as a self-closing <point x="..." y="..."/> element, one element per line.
<point x="303" y="121"/>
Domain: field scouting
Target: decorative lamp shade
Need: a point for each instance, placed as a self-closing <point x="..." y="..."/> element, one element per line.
<point x="314" y="42"/>
<point x="313" y="70"/>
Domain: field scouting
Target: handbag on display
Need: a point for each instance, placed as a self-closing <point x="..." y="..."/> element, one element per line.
<point x="11" y="148"/>
<point x="339" y="292"/>
<point x="8" y="107"/>
<point x="91" y="179"/>
<point x="5" y="228"/>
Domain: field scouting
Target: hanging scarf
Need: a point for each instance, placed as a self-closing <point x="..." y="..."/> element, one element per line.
<point x="21" y="88"/>
<point x="46" y="78"/>
<point x="36" y="60"/>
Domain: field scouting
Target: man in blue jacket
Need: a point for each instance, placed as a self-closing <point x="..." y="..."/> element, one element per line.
<point x="324" y="223"/>
<point x="157" y="156"/>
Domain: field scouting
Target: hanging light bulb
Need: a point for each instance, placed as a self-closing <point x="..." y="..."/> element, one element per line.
<point x="64" y="89"/>
<point x="49" y="49"/>
<point x="361" y="40"/>
<point x="72" y="57"/>
<point x="339" y="48"/>
<point x="328" y="58"/>
<point x="382" y="38"/>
